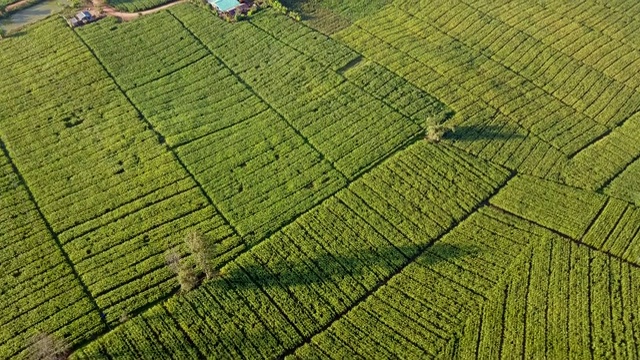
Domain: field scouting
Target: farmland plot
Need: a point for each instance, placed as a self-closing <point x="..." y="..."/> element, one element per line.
<point x="480" y="129"/>
<point x="419" y="311"/>
<point x="125" y="49"/>
<point x="493" y="82"/>
<point x="563" y="301"/>
<point x="40" y="290"/>
<point x="297" y="156"/>
<point x="348" y="126"/>
<point x="113" y="195"/>
<point x="257" y="170"/>
<point x="300" y="279"/>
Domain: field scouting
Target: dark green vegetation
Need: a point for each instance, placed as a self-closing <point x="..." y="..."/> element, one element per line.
<point x="327" y="226"/>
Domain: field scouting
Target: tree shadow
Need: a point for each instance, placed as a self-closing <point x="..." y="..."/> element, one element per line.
<point x="384" y="263"/>
<point x="481" y="132"/>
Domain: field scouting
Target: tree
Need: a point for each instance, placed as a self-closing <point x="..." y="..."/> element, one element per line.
<point x="47" y="347"/>
<point x="203" y="253"/>
<point x="435" y="133"/>
<point x="186" y="276"/>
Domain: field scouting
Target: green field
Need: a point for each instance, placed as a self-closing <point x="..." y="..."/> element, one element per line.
<point x="299" y="151"/>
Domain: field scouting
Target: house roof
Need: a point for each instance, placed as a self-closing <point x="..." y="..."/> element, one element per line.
<point x="83" y="15"/>
<point x="224" y="5"/>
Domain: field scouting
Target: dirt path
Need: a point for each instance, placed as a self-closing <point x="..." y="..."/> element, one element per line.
<point x="15" y="5"/>
<point x="96" y="5"/>
<point x="126" y="16"/>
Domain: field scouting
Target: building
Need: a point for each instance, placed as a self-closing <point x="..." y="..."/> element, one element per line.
<point x="225" y="6"/>
<point x="81" y="18"/>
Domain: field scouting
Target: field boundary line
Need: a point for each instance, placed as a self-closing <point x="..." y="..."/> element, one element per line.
<point x="184" y="332"/>
<point x="411" y="260"/>
<point x="566" y="237"/>
<point x="578" y="61"/>
<point x="253" y="91"/>
<point x="161" y="138"/>
<point x="75" y="273"/>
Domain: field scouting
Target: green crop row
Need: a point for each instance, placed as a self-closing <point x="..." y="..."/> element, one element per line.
<point x="315" y="45"/>
<point x="616" y="231"/>
<point x="499" y="86"/>
<point x="116" y="198"/>
<point x="422" y="308"/>
<point x="195" y="101"/>
<point x="580" y="86"/>
<point x="351" y="128"/>
<point x="291" y="285"/>
<point x="260" y="173"/>
<point x="252" y="164"/>
<point x="564" y="209"/>
<point x="593" y="14"/>
<point x="479" y="130"/>
<point x="564" y="301"/>
<point x="573" y="38"/>
<point x="154" y="331"/>
<point x="626" y="186"/>
<point x="136" y="5"/>
<point x="593" y="167"/>
<point x="401" y="95"/>
<point x="36" y="281"/>
<point x="127" y="50"/>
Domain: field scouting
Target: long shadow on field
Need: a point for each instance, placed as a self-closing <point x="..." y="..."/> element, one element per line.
<point x="234" y="316"/>
<point x="475" y="133"/>
<point x="362" y="265"/>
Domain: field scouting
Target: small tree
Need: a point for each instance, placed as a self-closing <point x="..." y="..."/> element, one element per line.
<point x="186" y="276"/>
<point x="435" y="133"/>
<point x="203" y="253"/>
<point x="47" y="347"/>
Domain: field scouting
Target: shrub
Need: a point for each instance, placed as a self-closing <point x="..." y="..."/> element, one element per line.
<point x="435" y="133"/>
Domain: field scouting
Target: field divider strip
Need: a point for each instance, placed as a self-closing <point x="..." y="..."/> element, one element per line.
<point x="566" y="237"/>
<point x="184" y="333"/>
<point x="160" y="137"/>
<point x="253" y="91"/>
<point x="32" y="198"/>
<point x="410" y="260"/>
<point x="167" y="74"/>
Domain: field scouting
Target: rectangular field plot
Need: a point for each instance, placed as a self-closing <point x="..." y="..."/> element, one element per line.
<point x="115" y="197"/>
<point x="421" y="309"/>
<point x="138" y="52"/>
<point x="567" y="210"/>
<point x="260" y="173"/>
<point x="39" y="290"/>
<point x="562" y="300"/>
<point x="256" y="168"/>
<point x="480" y="128"/>
<point x="602" y="161"/>
<point x="514" y="96"/>
<point x="581" y="86"/>
<point x="317" y="46"/>
<point x="626" y="186"/>
<point x="350" y="127"/>
<point x="299" y="280"/>
<point x="399" y="94"/>
<point x="195" y="101"/>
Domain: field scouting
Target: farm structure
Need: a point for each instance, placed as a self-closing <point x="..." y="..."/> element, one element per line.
<point x="229" y="6"/>
<point x="81" y="18"/>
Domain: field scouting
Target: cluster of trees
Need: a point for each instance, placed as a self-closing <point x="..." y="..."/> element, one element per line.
<point x="203" y="255"/>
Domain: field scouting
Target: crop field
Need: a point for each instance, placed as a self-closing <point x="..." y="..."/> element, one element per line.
<point x="383" y="179"/>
